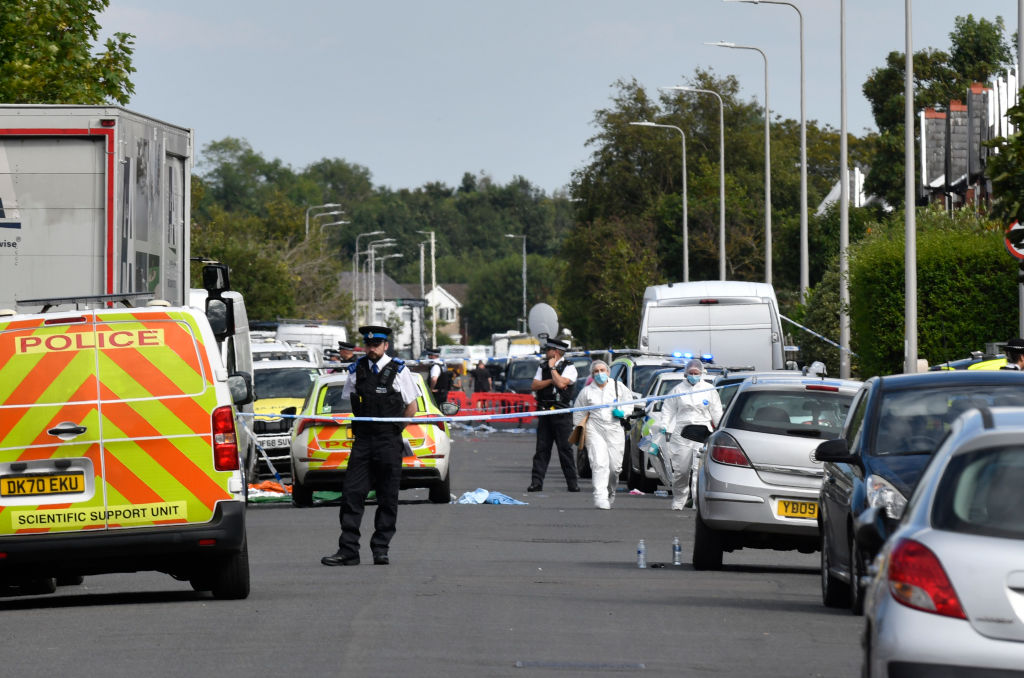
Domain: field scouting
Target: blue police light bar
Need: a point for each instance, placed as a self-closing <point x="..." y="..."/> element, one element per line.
<point x="677" y="354"/>
<point x="707" y="358"/>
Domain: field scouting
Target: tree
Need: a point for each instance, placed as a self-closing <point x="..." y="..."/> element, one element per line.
<point x="1006" y="170"/>
<point x="46" y="54"/>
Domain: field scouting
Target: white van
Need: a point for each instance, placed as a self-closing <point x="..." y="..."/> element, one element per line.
<point x="312" y="334"/>
<point x="738" y="323"/>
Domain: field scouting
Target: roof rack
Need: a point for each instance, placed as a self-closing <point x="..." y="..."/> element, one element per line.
<point x="129" y="299"/>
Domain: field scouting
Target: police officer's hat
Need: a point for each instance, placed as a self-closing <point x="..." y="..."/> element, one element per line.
<point x="556" y="344"/>
<point x="1016" y="345"/>
<point x="375" y="333"/>
<point x="346" y="346"/>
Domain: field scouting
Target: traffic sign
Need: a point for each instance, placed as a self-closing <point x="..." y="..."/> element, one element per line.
<point x="1014" y="240"/>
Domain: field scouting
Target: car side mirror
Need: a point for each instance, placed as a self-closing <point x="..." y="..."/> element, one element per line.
<point x="240" y="387"/>
<point x="290" y="411"/>
<point x="449" y="409"/>
<point x="836" y="451"/>
<point x="696" y="432"/>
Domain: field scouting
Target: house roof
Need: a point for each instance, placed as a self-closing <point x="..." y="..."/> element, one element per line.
<point x="391" y="289"/>
<point x="458" y="290"/>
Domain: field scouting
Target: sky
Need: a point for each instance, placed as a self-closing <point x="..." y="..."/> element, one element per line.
<point x="420" y="92"/>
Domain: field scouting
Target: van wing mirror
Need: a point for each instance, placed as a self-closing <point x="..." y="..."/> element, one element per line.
<point x="220" y="313"/>
<point x="836" y="451"/>
<point x="215" y="279"/>
<point x="449" y="409"/>
<point x="240" y="387"/>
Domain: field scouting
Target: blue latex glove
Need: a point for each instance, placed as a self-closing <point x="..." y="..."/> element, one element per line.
<point x="653" y="450"/>
<point x="618" y="414"/>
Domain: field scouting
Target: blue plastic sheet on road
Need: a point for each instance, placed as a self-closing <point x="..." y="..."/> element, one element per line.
<point x="482" y="496"/>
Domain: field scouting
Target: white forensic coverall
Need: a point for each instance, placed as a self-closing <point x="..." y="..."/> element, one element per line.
<point x="606" y="439"/>
<point x="698" y="404"/>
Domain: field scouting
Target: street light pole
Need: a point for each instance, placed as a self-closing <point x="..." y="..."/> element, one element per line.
<point x="382" y="260"/>
<point x="355" y="274"/>
<point x="686" y="227"/>
<point x="844" y="208"/>
<point x="371" y="249"/>
<point x="767" y="160"/>
<point x="513" y="235"/>
<point x="317" y="207"/>
<point x="721" y="170"/>
<point x="433" y="288"/>
<point x="910" y="218"/>
<point x="804" y="247"/>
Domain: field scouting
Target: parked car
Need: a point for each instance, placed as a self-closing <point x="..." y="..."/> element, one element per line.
<point x="758" y="483"/>
<point x="279" y="388"/>
<point x="519" y="373"/>
<point x="948" y="596"/>
<point x="638" y="466"/>
<point x="895" y="426"/>
<point x="637" y="370"/>
<point x="322" y="439"/>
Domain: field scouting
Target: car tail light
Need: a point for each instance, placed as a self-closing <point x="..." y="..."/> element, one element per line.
<point x="917" y="580"/>
<point x="306" y="423"/>
<point x="225" y="444"/>
<point x="822" y="387"/>
<point x="725" y="450"/>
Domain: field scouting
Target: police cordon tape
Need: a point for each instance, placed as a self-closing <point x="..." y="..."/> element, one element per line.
<point x="819" y="336"/>
<point x="493" y="417"/>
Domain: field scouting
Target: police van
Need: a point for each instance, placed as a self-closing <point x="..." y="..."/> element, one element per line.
<point x="118" y="448"/>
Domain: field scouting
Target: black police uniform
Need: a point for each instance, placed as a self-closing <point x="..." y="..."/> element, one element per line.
<point x="376" y="458"/>
<point x="554" y="428"/>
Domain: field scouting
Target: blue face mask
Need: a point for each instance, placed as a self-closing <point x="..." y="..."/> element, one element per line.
<point x="693" y="379"/>
<point x="601" y="377"/>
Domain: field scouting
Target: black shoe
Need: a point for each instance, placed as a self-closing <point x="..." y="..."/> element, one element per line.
<point x="339" y="559"/>
<point x="574" y="488"/>
<point x="535" y="487"/>
<point x="381" y="559"/>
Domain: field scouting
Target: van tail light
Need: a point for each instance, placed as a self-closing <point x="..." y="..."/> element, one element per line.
<point x="225" y="443"/>
<point x="917" y="580"/>
<point x="725" y="450"/>
<point x="303" y="424"/>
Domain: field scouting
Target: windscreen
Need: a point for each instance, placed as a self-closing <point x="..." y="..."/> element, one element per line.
<point x="915" y="421"/>
<point x="284" y="383"/>
<point x="523" y="369"/>
<point x="980" y="493"/>
<point x="643" y="375"/>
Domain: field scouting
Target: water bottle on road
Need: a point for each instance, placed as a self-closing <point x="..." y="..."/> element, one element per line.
<point x="677" y="552"/>
<point x="641" y="554"/>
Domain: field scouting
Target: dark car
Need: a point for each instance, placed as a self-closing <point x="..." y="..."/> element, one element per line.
<point x="519" y="373"/>
<point x="895" y="425"/>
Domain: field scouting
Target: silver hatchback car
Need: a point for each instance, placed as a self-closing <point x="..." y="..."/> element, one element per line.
<point x="758" y="483"/>
<point x="948" y="595"/>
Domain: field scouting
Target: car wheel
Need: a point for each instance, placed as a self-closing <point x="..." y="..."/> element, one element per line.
<point x="230" y="579"/>
<point x="583" y="463"/>
<point x="834" y="593"/>
<point x="302" y="496"/>
<point x="39" y="586"/>
<point x="856" y="571"/>
<point x="441" y="492"/>
<point x="70" y="580"/>
<point x="707" y="546"/>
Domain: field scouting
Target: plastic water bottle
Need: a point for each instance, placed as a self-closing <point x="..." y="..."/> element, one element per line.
<point x="677" y="552"/>
<point x="641" y="555"/>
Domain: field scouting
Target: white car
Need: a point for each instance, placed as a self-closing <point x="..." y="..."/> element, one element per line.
<point x="279" y="387"/>
<point x="948" y="595"/>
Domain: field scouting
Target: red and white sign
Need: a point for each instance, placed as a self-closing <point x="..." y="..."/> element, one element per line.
<point x="1014" y="240"/>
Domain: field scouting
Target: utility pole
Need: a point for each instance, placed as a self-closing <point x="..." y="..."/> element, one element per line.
<point x="433" y="288"/>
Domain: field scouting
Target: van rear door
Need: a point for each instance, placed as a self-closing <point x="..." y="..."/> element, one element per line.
<point x="51" y="459"/>
<point x="735" y="331"/>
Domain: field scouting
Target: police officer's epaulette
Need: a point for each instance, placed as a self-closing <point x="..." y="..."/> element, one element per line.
<point x="399" y="362"/>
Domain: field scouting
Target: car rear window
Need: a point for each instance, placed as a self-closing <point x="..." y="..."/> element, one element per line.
<point x="914" y="421"/>
<point x="981" y="493"/>
<point x="292" y="382"/>
<point x="791" y="412"/>
<point x="332" y="400"/>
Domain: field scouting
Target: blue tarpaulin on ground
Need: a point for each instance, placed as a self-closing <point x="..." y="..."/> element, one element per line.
<point x="482" y="496"/>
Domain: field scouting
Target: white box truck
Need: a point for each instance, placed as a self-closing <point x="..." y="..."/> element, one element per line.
<point x="93" y="200"/>
<point x="737" y="322"/>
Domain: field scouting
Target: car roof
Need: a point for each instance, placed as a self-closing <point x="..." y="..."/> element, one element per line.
<point x="948" y="377"/>
<point x="282" y="364"/>
<point x="796" y="382"/>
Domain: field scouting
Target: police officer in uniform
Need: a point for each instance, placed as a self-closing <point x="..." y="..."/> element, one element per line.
<point x="1014" y="355"/>
<point x="346" y="351"/>
<point x="553" y="384"/>
<point x="379" y="386"/>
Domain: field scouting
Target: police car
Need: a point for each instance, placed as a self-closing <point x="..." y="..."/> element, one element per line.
<point x="280" y="387"/>
<point x="321" y="442"/>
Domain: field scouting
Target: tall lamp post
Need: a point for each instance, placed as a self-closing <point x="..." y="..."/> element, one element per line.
<point x="355" y="274"/>
<point x="844" y="208"/>
<point x="767" y="159"/>
<point x="318" y="207"/>
<point x="433" y="289"/>
<point x="721" y="170"/>
<point x="371" y="250"/>
<point x="804" y="248"/>
<point x="513" y="235"/>
<point x="394" y="255"/>
<point x="686" y="228"/>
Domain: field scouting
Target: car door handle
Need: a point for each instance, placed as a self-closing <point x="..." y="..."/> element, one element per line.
<point x="67" y="430"/>
<point x="831" y="480"/>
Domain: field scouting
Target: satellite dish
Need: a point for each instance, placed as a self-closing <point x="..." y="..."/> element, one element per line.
<point x="542" y="319"/>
